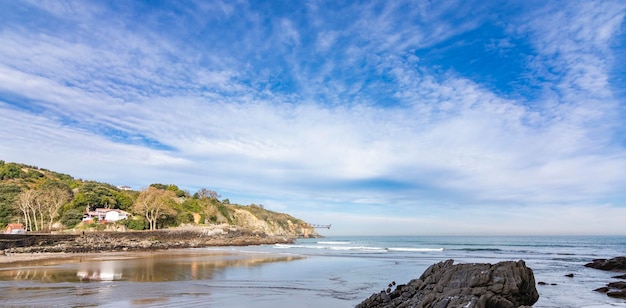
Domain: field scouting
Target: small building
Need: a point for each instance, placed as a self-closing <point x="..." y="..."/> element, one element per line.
<point x="115" y="215"/>
<point x="124" y="187"/>
<point x="14" y="229"/>
<point x="105" y="215"/>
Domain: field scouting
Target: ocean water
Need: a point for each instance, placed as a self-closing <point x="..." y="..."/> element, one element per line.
<point x="328" y="272"/>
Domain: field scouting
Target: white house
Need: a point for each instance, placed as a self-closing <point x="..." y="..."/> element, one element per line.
<point x="115" y="215"/>
<point x="105" y="215"/>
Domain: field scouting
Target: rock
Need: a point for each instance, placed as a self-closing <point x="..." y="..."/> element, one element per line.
<point x="614" y="264"/>
<point x="618" y="285"/>
<point x="617" y="294"/>
<point x="614" y="289"/>
<point x="542" y="283"/>
<point x="131" y="241"/>
<point x="503" y="285"/>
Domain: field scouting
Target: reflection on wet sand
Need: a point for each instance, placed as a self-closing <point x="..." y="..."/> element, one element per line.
<point x="149" y="267"/>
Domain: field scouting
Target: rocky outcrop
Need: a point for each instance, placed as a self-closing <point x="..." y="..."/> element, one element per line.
<point x="614" y="264"/>
<point x="247" y="220"/>
<point x="271" y="223"/>
<point x="137" y="240"/>
<point x="503" y="285"/>
<point x="613" y="289"/>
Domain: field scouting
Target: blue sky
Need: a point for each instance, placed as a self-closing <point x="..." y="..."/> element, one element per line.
<point x="380" y="117"/>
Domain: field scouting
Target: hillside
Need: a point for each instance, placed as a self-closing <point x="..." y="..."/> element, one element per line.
<point x="45" y="200"/>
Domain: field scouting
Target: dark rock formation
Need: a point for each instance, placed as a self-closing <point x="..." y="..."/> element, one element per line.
<point x="615" y="264"/>
<point x="133" y="240"/>
<point x="617" y="294"/>
<point x="502" y="285"/>
<point x="612" y="289"/>
<point x="617" y="289"/>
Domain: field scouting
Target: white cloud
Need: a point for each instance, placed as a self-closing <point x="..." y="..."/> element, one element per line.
<point x="587" y="219"/>
<point x="325" y="40"/>
<point x="440" y="141"/>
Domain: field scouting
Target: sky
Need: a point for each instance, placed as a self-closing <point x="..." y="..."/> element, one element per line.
<point x="378" y="117"/>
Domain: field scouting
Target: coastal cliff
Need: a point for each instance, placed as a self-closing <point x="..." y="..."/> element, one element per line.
<point x="272" y="227"/>
<point x="65" y="204"/>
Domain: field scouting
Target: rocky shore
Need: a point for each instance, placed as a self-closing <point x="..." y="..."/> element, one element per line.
<point x="501" y="285"/>
<point x="615" y="289"/>
<point x="107" y="241"/>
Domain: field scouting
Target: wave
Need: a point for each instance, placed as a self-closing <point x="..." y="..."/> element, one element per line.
<point x="359" y="248"/>
<point x="344" y="247"/>
<point x="478" y="249"/>
<point x="413" y="249"/>
<point x="334" y="243"/>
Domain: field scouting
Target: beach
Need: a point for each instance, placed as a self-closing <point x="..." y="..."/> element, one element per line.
<point x="25" y="257"/>
<point x="176" y="277"/>
<point x="330" y="272"/>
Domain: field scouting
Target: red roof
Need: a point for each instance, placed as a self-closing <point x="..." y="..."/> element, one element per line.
<point x="15" y="226"/>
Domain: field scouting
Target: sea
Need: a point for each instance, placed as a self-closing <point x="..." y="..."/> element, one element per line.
<point x="324" y="272"/>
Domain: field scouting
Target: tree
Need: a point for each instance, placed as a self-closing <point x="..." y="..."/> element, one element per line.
<point x="153" y="204"/>
<point x="125" y="199"/>
<point x="95" y="195"/>
<point x="71" y="218"/>
<point x="40" y="208"/>
<point x="25" y="203"/>
<point x="159" y="186"/>
<point x="11" y="171"/>
<point x="8" y="193"/>
<point x="52" y="200"/>
<point x="205" y="193"/>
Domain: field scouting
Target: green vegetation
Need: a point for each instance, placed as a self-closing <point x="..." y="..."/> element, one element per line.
<point x="71" y="218"/>
<point x="8" y="193"/>
<point x="43" y="200"/>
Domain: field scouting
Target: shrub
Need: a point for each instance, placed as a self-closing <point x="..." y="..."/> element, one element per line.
<point x="71" y="218"/>
<point x="135" y="224"/>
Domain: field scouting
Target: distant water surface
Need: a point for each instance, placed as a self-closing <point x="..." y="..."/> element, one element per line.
<point x="328" y="272"/>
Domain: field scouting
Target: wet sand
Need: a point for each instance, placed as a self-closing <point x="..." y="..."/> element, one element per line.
<point x="28" y="257"/>
<point x="173" y="277"/>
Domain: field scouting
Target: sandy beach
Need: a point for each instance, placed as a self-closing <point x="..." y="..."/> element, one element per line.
<point x="24" y="257"/>
<point x="331" y="272"/>
<point x="138" y="277"/>
<point x="62" y="256"/>
<point x="11" y="259"/>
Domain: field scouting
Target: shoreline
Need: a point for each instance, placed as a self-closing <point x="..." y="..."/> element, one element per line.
<point x="27" y="257"/>
<point x="27" y="247"/>
<point x="263" y="275"/>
